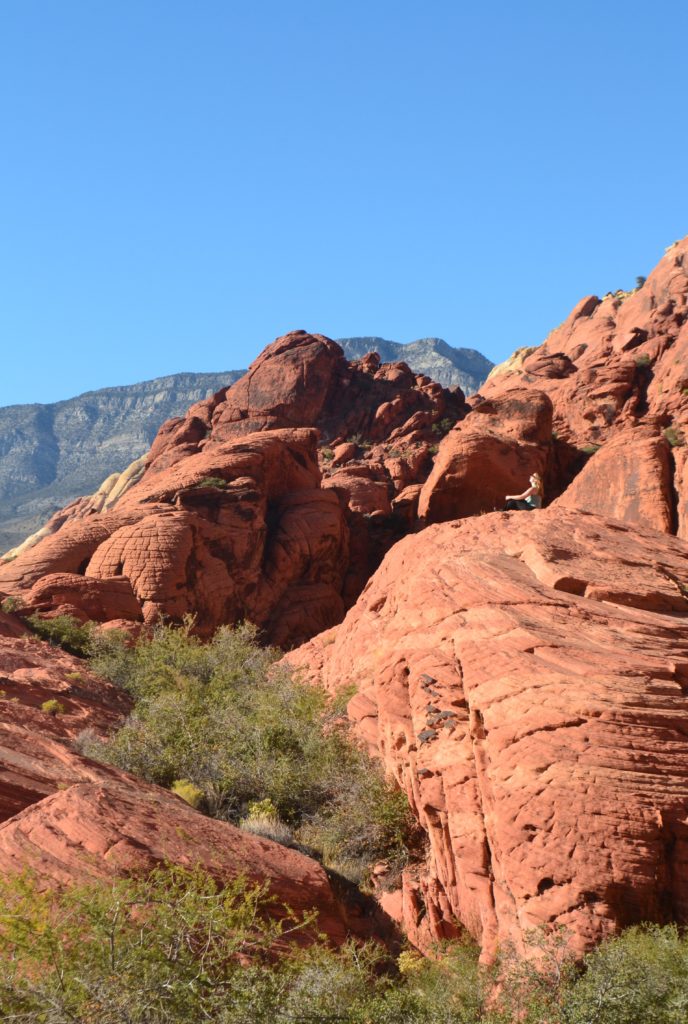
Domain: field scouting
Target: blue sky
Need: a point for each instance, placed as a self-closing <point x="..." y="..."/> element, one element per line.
<point x="181" y="182"/>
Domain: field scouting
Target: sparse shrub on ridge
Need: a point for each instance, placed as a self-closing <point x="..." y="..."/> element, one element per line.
<point x="53" y="707"/>
<point x="218" y="482"/>
<point x="675" y="437"/>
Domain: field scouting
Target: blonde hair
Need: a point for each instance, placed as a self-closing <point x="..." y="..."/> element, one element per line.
<point x="538" y="482"/>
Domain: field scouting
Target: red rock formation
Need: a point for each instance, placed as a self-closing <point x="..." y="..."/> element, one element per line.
<point x="524" y="676"/>
<point x="71" y="820"/>
<point x="629" y="478"/>
<point x="32" y="673"/>
<point x="231" y="519"/>
<point x="489" y="455"/>
<point x="613" y="366"/>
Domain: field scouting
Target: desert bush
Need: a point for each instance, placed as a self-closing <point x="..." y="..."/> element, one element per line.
<point x="212" y="481"/>
<point x="241" y="729"/>
<point x="11" y="604"/>
<point x="443" y="426"/>
<point x="641" y="975"/>
<point x="63" y="631"/>
<point x="53" y="707"/>
<point x="185" y="789"/>
<point x="166" y="948"/>
<point x="263" y="820"/>
<point x="675" y="437"/>
<point x="175" y="947"/>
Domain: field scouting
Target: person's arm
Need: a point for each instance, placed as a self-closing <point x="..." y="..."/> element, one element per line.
<point x="521" y="497"/>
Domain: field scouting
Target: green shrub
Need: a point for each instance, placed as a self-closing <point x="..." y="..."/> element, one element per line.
<point x="640" y="976"/>
<point x="63" y="631"/>
<point x="53" y="707"/>
<point x="675" y="437"/>
<point x="327" y="454"/>
<point x="212" y="481"/>
<point x="188" y="792"/>
<point x="11" y="604"/>
<point x="242" y="730"/>
<point x="174" y="947"/>
<point x="590" y="449"/>
<point x="443" y="426"/>
<point x="642" y="360"/>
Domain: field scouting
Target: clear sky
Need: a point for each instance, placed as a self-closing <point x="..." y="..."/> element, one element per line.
<point x="183" y="180"/>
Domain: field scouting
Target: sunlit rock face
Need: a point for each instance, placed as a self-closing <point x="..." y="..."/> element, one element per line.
<point x="524" y="678"/>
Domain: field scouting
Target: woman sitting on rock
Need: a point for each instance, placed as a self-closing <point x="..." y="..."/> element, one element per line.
<point x="530" y="499"/>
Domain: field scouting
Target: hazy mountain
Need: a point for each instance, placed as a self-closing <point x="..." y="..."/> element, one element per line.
<point x="50" y="454"/>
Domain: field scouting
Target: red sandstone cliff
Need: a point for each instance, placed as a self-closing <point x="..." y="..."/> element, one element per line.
<point x="524" y="677"/>
<point x="231" y="519"/>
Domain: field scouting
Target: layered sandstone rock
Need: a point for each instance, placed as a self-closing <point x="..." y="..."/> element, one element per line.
<point x="629" y="478"/>
<point x="523" y="677"/>
<point x="490" y="454"/>
<point x="70" y="820"/>
<point x="617" y="366"/>
<point x="33" y="675"/>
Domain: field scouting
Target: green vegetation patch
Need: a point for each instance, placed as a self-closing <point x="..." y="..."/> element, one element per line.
<point x="224" y="718"/>
<point x="64" y="631"/>
<point x="212" y="481"/>
<point x="176" y="947"/>
<point x="53" y="707"/>
<point x="675" y="437"/>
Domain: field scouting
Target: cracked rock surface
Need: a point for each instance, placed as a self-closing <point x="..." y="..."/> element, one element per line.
<point x="555" y="644"/>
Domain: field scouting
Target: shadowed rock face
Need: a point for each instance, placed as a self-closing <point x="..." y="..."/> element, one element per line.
<point x="524" y="677"/>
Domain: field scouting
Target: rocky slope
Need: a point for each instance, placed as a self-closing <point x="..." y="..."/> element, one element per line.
<point x="70" y="819"/>
<point x="50" y="454"/>
<point x="230" y="517"/>
<point x="524" y="678"/>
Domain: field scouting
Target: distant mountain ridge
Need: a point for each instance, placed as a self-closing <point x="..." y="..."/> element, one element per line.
<point x="50" y="454"/>
<point x="432" y="356"/>
<point x="53" y="453"/>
